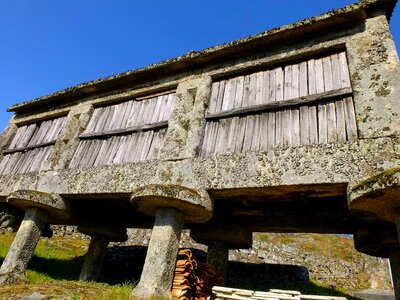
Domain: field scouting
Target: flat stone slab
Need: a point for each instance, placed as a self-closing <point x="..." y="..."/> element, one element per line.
<point x="195" y="204"/>
<point x="54" y="204"/>
<point x="377" y="197"/>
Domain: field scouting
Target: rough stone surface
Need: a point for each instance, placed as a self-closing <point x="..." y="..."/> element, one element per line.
<point x="94" y="258"/>
<point x="53" y="204"/>
<point x="377" y="196"/>
<point x="15" y="263"/>
<point x="196" y="205"/>
<point x="158" y="270"/>
<point x="187" y="124"/>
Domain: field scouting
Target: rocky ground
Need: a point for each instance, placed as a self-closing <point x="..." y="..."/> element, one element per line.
<point x="273" y="258"/>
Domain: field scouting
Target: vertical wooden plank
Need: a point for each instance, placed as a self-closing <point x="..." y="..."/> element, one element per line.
<point x="287" y="90"/>
<point x="229" y="95"/>
<point x="221" y="93"/>
<point x="45" y="161"/>
<point x="252" y="89"/>
<point x="170" y="106"/>
<point x="100" y="121"/>
<point x="248" y="136"/>
<point x="266" y="91"/>
<point x="303" y="79"/>
<point x="133" y="144"/>
<point x="239" y="145"/>
<point x="335" y="72"/>
<point x="104" y="119"/>
<point x="319" y="76"/>
<point x="327" y="68"/>
<point x="246" y="91"/>
<point x="210" y="149"/>
<point x="271" y="129"/>
<point x="17" y="137"/>
<point x="312" y="82"/>
<point x="146" y="143"/>
<point x="127" y="113"/>
<point x="223" y="126"/>
<point x="264" y="134"/>
<point x="152" y="107"/>
<point x="279" y="82"/>
<point x="255" y="139"/>
<point x="52" y="126"/>
<point x="344" y="70"/>
<point x="239" y="92"/>
<point x="30" y="130"/>
<point x="231" y="140"/>
<point x="287" y="128"/>
<point x="295" y="93"/>
<point x="156" y="114"/>
<point x="213" y="98"/>
<point x="259" y="87"/>
<point x="340" y="121"/>
<point x="133" y="113"/>
<point x="304" y="126"/>
<point x="350" y="117"/>
<point x="206" y="138"/>
<point x="313" y="121"/>
<point x="295" y="127"/>
<point x="120" y="110"/>
<point x="322" y="124"/>
<point x="3" y="163"/>
<point x="92" y="123"/>
<point x="272" y="85"/>
<point x="331" y="119"/>
<point x="120" y="151"/>
<point x="278" y="129"/>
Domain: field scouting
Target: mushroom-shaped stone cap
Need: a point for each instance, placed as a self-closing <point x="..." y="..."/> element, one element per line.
<point x="235" y="236"/>
<point x="377" y="197"/>
<point x="110" y="232"/>
<point x="57" y="207"/>
<point x="380" y="241"/>
<point x="195" y="204"/>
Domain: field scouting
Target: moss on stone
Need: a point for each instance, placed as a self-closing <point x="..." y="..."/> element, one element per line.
<point x="383" y="179"/>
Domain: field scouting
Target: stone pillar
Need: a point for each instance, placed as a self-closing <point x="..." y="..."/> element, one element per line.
<point x="218" y="256"/>
<point x="395" y="268"/>
<point x="158" y="270"/>
<point x="94" y="258"/>
<point x="39" y="209"/>
<point x="14" y="266"/>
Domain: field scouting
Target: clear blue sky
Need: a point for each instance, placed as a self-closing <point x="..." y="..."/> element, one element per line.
<point x="46" y="46"/>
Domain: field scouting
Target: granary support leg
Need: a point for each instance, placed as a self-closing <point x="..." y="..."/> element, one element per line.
<point x="218" y="256"/>
<point x="101" y="234"/>
<point x="94" y="258"/>
<point x="39" y="208"/>
<point x="395" y="268"/>
<point x="14" y="266"/>
<point x="158" y="270"/>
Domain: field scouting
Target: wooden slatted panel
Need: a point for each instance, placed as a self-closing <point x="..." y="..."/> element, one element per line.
<point x="131" y="148"/>
<point x="31" y="147"/>
<point x="132" y="113"/>
<point x="306" y="78"/>
<point x="328" y="122"/>
<point x="36" y="134"/>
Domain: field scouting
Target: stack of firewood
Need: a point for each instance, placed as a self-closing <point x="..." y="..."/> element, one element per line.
<point x="193" y="280"/>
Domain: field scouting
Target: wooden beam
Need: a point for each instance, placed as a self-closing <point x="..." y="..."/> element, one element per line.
<point x="41" y="145"/>
<point x="343" y="92"/>
<point x="127" y="130"/>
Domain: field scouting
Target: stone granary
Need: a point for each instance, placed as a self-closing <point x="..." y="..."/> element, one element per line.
<point x="296" y="129"/>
